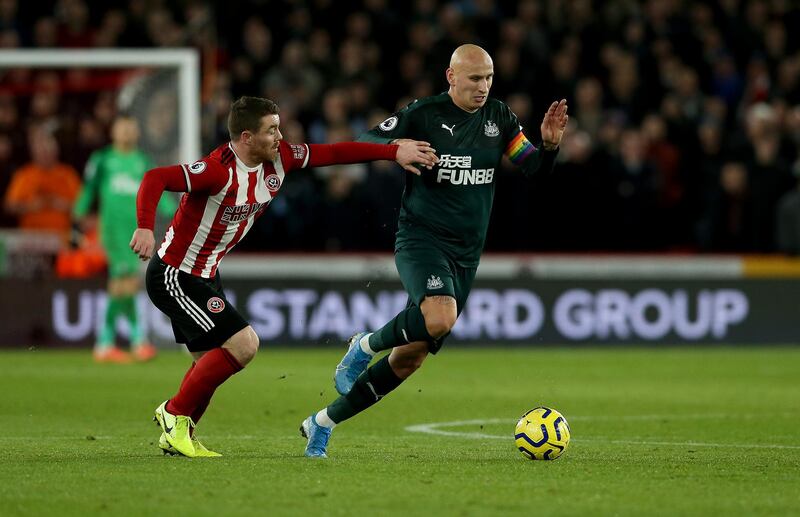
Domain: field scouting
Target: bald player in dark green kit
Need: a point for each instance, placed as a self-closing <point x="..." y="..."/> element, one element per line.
<point x="442" y="227"/>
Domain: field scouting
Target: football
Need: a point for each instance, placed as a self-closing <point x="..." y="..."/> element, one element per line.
<point x="542" y="434"/>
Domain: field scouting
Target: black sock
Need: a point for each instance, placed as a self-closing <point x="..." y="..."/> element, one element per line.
<point x="406" y="327"/>
<point x="369" y="388"/>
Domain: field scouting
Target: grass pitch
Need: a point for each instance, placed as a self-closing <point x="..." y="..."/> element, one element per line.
<point x="655" y="432"/>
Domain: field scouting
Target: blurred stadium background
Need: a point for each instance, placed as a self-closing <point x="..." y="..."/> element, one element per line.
<point x="674" y="215"/>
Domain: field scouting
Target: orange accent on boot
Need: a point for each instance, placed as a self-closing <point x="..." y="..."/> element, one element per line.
<point x="112" y="355"/>
<point x="145" y="352"/>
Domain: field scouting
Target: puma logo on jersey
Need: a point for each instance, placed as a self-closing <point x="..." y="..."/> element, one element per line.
<point x="444" y="126"/>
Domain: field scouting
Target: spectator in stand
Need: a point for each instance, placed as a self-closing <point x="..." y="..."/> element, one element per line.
<point x="788" y="218"/>
<point x="251" y="58"/>
<point x="671" y="218"/>
<point x="378" y="199"/>
<point x="9" y="10"/>
<point x="293" y="80"/>
<point x="703" y="167"/>
<point x="334" y="113"/>
<point x="6" y="154"/>
<point x="589" y="105"/>
<point x="769" y="176"/>
<point x="162" y="29"/>
<point x="11" y="149"/>
<point x="729" y="224"/>
<point x="74" y="30"/>
<point x="787" y="230"/>
<point x="111" y="29"/>
<point x="635" y="179"/>
<point x="42" y="192"/>
<point x="45" y="32"/>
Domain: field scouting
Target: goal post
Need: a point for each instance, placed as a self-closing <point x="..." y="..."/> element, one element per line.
<point x="185" y="62"/>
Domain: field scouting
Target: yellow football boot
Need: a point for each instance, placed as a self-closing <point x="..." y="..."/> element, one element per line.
<point x="199" y="449"/>
<point x="177" y="430"/>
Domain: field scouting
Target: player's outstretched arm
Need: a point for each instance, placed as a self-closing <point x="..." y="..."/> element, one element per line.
<point x="143" y="243"/>
<point x="405" y="153"/>
<point x="554" y="124"/>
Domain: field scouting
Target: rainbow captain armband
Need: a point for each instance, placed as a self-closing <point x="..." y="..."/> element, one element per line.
<point x="519" y="148"/>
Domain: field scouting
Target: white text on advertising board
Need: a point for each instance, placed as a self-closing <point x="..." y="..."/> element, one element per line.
<point x="490" y="314"/>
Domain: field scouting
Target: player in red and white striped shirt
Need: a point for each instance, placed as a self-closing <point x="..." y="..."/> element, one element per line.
<point x="224" y="193"/>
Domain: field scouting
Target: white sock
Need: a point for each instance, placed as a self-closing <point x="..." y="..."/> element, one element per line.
<point x="324" y="420"/>
<point x="364" y="342"/>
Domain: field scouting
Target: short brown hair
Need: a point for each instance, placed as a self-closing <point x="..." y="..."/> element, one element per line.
<point x="246" y="114"/>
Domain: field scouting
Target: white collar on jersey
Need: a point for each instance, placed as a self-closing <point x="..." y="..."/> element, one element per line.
<point x="241" y="165"/>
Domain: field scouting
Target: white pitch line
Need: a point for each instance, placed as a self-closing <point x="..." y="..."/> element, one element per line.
<point x="693" y="444"/>
<point x="434" y="428"/>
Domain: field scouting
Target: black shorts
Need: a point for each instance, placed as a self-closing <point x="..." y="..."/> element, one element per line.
<point x="200" y="314"/>
<point x="426" y="271"/>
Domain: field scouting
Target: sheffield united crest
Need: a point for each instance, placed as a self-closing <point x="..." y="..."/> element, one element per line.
<point x="215" y="305"/>
<point x="273" y="183"/>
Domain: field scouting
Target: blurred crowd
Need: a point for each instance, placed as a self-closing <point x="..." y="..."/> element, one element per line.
<point x="684" y="115"/>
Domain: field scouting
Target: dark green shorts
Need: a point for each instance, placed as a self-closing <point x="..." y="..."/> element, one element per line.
<point x="427" y="271"/>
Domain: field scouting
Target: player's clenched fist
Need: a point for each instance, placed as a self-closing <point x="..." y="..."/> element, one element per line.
<point x="143" y="242"/>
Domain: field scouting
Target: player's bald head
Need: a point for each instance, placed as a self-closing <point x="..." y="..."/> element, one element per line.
<point x="470" y="55"/>
<point x="470" y="77"/>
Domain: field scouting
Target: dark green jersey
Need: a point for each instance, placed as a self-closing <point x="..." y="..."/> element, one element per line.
<point x="450" y="205"/>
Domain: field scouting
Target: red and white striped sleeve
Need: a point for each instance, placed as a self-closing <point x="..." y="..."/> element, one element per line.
<point x="175" y="178"/>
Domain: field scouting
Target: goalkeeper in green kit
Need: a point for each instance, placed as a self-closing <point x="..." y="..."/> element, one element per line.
<point x="442" y="227"/>
<point x="112" y="177"/>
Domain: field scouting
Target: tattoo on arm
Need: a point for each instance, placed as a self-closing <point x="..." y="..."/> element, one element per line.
<point x="441" y="300"/>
